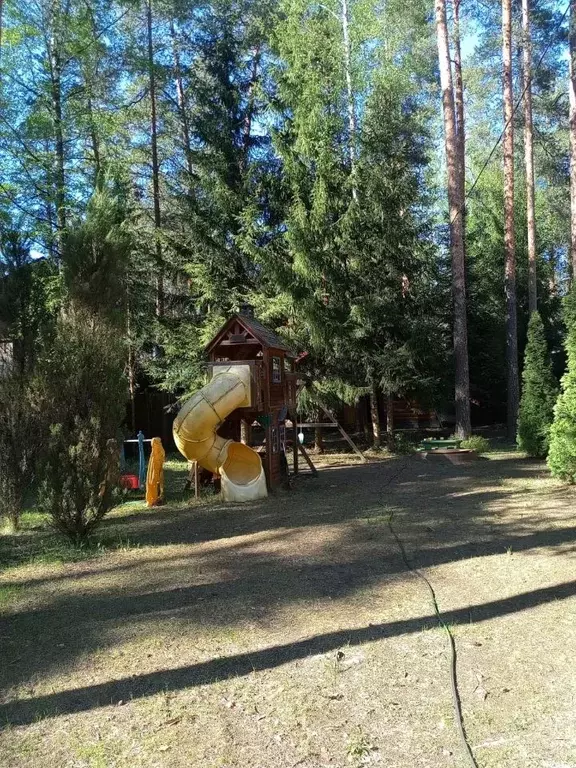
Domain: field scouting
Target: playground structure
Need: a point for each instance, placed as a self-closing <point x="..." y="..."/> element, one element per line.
<point x="150" y="475"/>
<point x="252" y="379"/>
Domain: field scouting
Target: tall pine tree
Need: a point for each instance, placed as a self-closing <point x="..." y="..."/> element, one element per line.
<point x="539" y="392"/>
<point x="562" y="453"/>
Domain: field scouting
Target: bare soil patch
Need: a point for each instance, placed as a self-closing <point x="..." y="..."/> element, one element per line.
<point x="289" y="633"/>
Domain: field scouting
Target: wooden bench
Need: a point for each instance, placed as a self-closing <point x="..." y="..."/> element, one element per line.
<point x="436" y="444"/>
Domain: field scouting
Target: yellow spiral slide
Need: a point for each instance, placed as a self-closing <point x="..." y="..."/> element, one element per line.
<point x="194" y="429"/>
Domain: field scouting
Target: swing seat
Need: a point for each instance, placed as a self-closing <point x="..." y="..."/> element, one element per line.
<point x="129" y="482"/>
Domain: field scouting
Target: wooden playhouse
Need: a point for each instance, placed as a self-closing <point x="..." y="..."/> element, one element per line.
<point x="244" y="340"/>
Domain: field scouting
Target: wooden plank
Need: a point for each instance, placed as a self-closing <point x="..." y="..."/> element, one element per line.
<point x="295" y="444"/>
<point x="345" y="436"/>
<point x="308" y="459"/>
<point x="269" y="457"/>
<point x="318" y="424"/>
<point x="193" y="478"/>
<point x="196" y="480"/>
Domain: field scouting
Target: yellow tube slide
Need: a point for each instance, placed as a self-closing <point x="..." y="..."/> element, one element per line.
<point x="194" y="429"/>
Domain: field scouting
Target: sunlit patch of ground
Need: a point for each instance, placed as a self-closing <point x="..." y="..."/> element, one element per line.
<point x="288" y="632"/>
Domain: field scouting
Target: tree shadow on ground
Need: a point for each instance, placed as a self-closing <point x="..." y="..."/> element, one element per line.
<point x="26" y="711"/>
<point x="327" y="540"/>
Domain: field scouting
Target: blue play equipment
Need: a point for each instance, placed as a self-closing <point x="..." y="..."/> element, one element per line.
<point x="141" y="460"/>
<point x="140" y="439"/>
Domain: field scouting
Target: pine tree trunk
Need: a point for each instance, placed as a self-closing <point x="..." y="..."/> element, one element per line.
<point x="509" y="240"/>
<point x="462" y="384"/>
<point x="390" y="422"/>
<point x="182" y="106"/>
<point x="318" y="440"/>
<point x="95" y="142"/>
<point x="155" y="166"/>
<point x="56" y="97"/>
<point x="131" y="366"/>
<point x="358" y="417"/>
<point x="553" y="281"/>
<point x="459" y="112"/>
<point x="345" y="20"/>
<point x="461" y="159"/>
<point x="49" y="214"/>
<point x="529" y="154"/>
<point x="572" y="90"/>
<point x="249" y="116"/>
<point x="367" y="429"/>
<point x="375" y="416"/>
<point x="89" y="79"/>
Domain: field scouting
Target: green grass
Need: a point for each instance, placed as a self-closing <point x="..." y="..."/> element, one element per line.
<point x="359" y="747"/>
<point x="40" y="548"/>
<point x="47" y="547"/>
<point x="8" y="595"/>
<point x="37" y="543"/>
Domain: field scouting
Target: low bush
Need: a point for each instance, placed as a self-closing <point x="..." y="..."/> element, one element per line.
<point x="476" y="443"/>
<point x="402" y="445"/>
<point x="20" y="436"/>
<point x="83" y="393"/>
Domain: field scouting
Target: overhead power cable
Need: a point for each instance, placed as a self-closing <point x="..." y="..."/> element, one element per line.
<point x="552" y="40"/>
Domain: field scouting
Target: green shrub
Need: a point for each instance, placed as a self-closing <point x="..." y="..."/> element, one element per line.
<point x="476" y="443"/>
<point x="20" y="436"/>
<point x="539" y="392"/>
<point x="83" y="393"/>
<point x="562" y="453"/>
<point x="402" y="444"/>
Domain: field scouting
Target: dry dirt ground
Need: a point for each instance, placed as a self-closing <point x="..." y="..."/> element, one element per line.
<point x="289" y="632"/>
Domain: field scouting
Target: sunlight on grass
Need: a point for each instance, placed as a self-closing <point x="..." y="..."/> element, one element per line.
<point x="36" y="543"/>
<point x="9" y="595"/>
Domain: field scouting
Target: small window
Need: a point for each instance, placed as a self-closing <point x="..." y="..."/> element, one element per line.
<point x="276" y="371"/>
<point x="288" y="365"/>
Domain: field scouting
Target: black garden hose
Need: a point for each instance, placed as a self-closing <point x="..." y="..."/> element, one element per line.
<point x="453" y="658"/>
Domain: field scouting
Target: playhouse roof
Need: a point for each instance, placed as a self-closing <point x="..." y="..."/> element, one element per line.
<point x="267" y="337"/>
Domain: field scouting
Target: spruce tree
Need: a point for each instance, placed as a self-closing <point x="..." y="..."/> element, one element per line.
<point x="349" y="249"/>
<point x="82" y="393"/>
<point x="539" y="392"/>
<point x="562" y="454"/>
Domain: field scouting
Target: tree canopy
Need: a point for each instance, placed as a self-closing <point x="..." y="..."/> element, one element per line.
<point x="163" y="162"/>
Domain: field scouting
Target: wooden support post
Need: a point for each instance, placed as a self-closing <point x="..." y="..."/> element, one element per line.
<point x="390" y="421"/>
<point x="245" y="432"/>
<point x="194" y="478"/>
<point x="345" y="435"/>
<point x="269" y="458"/>
<point x="295" y="443"/>
<point x="308" y="460"/>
